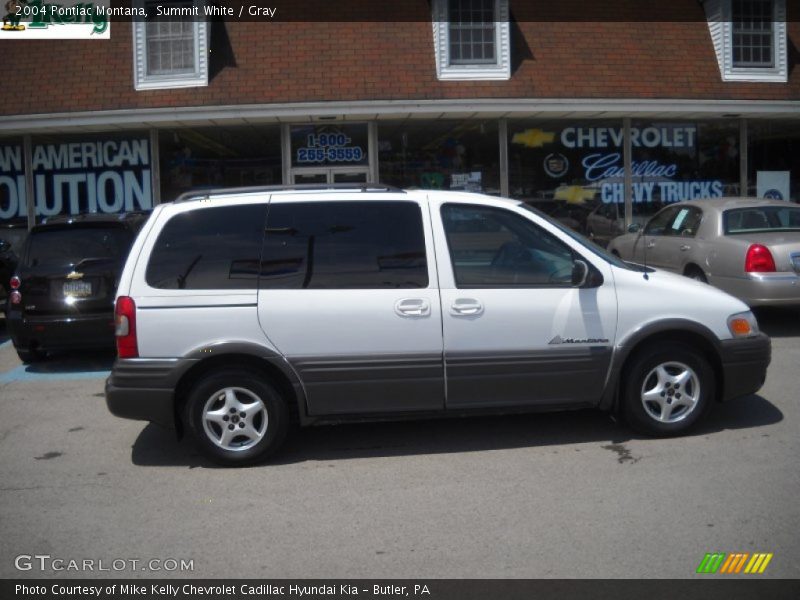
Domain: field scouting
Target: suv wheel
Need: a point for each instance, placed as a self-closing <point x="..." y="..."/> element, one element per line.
<point x="236" y="417"/>
<point x="668" y="389"/>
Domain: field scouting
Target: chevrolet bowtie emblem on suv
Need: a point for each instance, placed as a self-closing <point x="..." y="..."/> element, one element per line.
<point x="75" y="275"/>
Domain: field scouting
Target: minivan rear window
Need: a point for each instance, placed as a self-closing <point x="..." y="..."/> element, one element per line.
<point x="209" y="249"/>
<point x="344" y="245"/>
<point x="761" y="218"/>
<point x="71" y="245"/>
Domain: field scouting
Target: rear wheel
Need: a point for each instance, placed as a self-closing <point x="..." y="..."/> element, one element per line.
<point x="236" y="417"/>
<point x="668" y="388"/>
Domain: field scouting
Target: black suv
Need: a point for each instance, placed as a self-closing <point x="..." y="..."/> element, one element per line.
<point x="63" y="289"/>
<point x="12" y="236"/>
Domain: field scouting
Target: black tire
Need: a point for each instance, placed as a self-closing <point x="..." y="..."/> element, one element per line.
<point x="642" y="377"/>
<point x="29" y="355"/>
<point x="696" y="273"/>
<point x="249" y="385"/>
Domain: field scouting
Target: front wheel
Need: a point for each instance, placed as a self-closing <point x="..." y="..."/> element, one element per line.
<point x="236" y="417"/>
<point x="668" y="388"/>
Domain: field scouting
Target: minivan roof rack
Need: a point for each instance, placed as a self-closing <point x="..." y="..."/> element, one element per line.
<point x="362" y="187"/>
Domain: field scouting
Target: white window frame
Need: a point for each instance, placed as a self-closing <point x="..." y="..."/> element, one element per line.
<point x="499" y="70"/>
<point x="719" y="14"/>
<point x="197" y="78"/>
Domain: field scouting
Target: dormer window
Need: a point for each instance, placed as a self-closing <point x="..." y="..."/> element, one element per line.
<point x="170" y="48"/>
<point x="749" y="38"/>
<point x="471" y="39"/>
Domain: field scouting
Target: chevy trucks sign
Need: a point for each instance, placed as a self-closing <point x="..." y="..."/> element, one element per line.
<point x="670" y="161"/>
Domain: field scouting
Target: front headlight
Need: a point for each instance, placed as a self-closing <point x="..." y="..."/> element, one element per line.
<point x="743" y="325"/>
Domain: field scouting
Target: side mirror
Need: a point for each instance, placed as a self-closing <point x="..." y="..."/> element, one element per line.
<point x="634" y="228"/>
<point x="580" y="273"/>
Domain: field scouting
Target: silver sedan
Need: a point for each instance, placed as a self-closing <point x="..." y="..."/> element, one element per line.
<point x="747" y="247"/>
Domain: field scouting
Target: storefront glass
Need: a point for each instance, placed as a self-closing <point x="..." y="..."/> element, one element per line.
<point x="560" y="166"/>
<point x="208" y="157"/>
<point x="340" y="145"/>
<point x="12" y="183"/>
<point x="774" y="159"/>
<point x="444" y="154"/>
<point x="684" y="160"/>
<point x="74" y="174"/>
<point x="563" y="163"/>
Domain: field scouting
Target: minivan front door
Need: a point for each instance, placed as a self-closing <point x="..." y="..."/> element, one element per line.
<point x="348" y="294"/>
<point x="516" y="332"/>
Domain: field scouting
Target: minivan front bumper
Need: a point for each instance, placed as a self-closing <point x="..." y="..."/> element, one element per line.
<point x="744" y="365"/>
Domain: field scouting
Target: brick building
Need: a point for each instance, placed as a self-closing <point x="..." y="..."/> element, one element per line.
<point x="526" y="98"/>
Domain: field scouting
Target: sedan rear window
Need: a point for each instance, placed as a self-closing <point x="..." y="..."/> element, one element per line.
<point x="72" y="245"/>
<point x="761" y="218"/>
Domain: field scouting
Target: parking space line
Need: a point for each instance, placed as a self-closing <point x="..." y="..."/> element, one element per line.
<point x="21" y="374"/>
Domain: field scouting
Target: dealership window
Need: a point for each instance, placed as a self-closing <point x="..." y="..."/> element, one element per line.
<point x="773" y="159"/>
<point x="472" y="39"/>
<point x="91" y="173"/>
<point x="749" y="39"/>
<point x="447" y="154"/>
<point x="563" y="168"/>
<point x="569" y="169"/>
<point x="171" y="49"/>
<point x="13" y="209"/>
<point x="221" y="156"/>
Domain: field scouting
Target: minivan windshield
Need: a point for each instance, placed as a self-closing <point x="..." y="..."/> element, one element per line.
<point x="585" y="242"/>
<point x="71" y="245"/>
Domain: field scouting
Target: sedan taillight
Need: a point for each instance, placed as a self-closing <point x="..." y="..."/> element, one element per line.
<point x="759" y="260"/>
<point x="125" y="327"/>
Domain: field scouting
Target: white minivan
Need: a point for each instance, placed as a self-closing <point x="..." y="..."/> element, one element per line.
<point x="240" y="311"/>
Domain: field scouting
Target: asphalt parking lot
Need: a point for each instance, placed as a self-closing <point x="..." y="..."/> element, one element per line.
<point x="555" y="495"/>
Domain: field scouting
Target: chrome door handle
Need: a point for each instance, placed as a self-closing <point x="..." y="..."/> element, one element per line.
<point x="466" y="307"/>
<point x="651" y="244"/>
<point x="686" y="247"/>
<point x="412" y="307"/>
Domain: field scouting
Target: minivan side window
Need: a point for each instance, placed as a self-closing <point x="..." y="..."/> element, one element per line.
<point x="496" y="248"/>
<point x="209" y="249"/>
<point x="344" y="245"/>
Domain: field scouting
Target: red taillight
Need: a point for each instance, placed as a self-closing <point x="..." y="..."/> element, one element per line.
<point x="15" y="282"/>
<point x="759" y="260"/>
<point x="15" y="297"/>
<point x="125" y="327"/>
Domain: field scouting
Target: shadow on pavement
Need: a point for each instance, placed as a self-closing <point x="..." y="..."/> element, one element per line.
<point x="156" y="446"/>
<point x="779" y="322"/>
